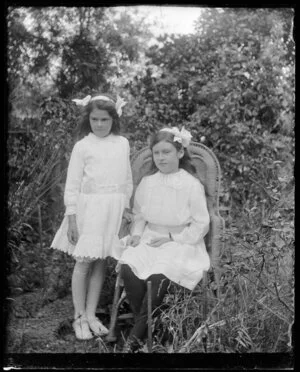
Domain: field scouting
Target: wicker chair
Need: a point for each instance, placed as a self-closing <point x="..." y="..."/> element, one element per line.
<point x="209" y="173"/>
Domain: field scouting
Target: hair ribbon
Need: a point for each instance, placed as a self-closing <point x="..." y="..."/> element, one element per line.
<point x="184" y="136"/>
<point x="86" y="100"/>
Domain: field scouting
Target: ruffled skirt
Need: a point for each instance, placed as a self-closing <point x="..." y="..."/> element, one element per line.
<point x="99" y="218"/>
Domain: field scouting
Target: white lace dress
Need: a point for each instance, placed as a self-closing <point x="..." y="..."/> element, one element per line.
<point x="98" y="188"/>
<point x="170" y="203"/>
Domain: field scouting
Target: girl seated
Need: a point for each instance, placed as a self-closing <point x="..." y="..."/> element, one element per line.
<point x="167" y="236"/>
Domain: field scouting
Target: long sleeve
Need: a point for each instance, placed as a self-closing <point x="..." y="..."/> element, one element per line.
<point x="129" y="182"/>
<point x="74" y="179"/>
<point x="139" y="222"/>
<point x="199" y="224"/>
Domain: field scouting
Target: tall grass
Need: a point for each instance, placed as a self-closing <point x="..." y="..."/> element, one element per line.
<point x="255" y="309"/>
<point x="31" y="178"/>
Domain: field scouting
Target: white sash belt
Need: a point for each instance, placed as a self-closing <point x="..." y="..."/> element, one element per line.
<point x="92" y="188"/>
<point x="166" y="228"/>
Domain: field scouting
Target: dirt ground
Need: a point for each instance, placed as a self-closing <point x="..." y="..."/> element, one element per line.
<point x="49" y="328"/>
<point x="38" y="319"/>
<point x="43" y="339"/>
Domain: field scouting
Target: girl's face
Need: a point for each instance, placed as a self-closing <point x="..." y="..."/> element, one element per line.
<point x="101" y="122"/>
<point x="166" y="157"/>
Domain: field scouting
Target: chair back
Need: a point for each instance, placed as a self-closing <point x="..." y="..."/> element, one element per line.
<point x="209" y="173"/>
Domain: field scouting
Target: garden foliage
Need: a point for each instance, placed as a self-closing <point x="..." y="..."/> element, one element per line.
<point x="231" y="83"/>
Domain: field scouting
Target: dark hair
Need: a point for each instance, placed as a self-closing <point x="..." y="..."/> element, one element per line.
<point x="185" y="162"/>
<point x="84" y="126"/>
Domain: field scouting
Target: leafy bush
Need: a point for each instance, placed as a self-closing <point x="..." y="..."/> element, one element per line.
<point x="37" y="165"/>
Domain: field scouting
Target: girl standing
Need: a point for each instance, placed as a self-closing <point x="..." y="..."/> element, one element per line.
<point x="167" y="236"/>
<point x="97" y="193"/>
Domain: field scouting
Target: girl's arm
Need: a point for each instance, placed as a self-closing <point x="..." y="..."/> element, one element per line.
<point x="199" y="225"/>
<point x="139" y="222"/>
<point x="73" y="181"/>
<point x="129" y="182"/>
<point x="72" y="233"/>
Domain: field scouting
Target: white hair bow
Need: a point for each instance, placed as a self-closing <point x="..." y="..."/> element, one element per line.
<point x="118" y="104"/>
<point x="82" y="102"/>
<point x="184" y="136"/>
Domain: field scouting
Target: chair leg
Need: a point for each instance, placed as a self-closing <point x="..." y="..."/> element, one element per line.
<point x="217" y="280"/>
<point x="204" y="284"/>
<point x="111" y="337"/>
<point x="149" y="308"/>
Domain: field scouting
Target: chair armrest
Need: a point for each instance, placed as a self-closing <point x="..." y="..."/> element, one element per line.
<point x="214" y="239"/>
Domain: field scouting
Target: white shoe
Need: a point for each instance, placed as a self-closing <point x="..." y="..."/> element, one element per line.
<point x="97" y="327"/>
<point x="81" y="328"/>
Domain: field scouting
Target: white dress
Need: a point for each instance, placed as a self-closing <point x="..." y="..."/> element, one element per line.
<point x="98" y="188"/>
<point x="170" y="203"/>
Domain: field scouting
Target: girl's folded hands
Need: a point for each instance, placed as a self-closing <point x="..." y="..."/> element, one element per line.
<point x="133" y="241"/>
<point x="157" y="242"/>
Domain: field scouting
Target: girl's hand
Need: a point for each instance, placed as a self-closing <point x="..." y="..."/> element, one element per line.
<point x="127" y="215"/>
<point x="157" y="242"/>
<point x="73" y="234"/>
<point x="133" y="241"/>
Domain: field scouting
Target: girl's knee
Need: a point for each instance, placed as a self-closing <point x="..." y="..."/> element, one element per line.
<point x="157" y="278"/>
<point x="101" y="263"/>
<point x="98" y="268"/>
<point x="160" y="284"/>
<point x="82" y="267"/>
<point x="126" y="270"/>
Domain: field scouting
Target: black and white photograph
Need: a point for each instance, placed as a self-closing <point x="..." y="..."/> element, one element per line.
<point x="150" y="205"/>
